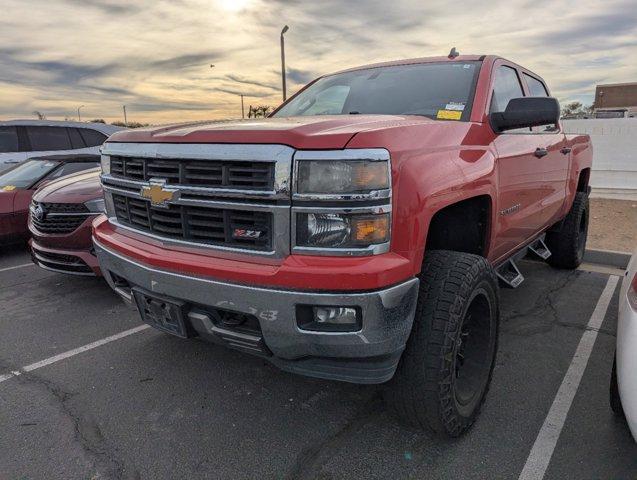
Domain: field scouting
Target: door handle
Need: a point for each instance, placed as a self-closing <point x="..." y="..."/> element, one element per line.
<point x="565" y="150"/>
<point x="541" y="152"/>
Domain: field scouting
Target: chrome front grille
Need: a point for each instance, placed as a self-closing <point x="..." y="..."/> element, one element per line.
<point x="228" y="197"/>
<point x="205" y="173"/>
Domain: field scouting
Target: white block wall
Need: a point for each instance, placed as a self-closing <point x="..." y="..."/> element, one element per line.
<point x="614" y="172"/>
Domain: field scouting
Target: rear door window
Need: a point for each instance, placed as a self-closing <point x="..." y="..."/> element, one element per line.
<point x="536" y="88"/>
<point x="8" y="139"/>
<point x="76" y="138"/>
<point x="92" y="138"/>
<point x="44" y="139"/>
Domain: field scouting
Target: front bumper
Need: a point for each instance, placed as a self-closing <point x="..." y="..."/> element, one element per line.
<point x="370" y="355"/>
<point x="64" y="260"/>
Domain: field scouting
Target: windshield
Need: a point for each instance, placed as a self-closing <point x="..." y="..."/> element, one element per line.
<point x="26" y="174"/>
<point x="437" y="90"/>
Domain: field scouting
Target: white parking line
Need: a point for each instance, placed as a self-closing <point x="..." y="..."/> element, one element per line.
<point x="6" y="269"/>
<point x="542" y="451"/>
<point x="71" y="353"/>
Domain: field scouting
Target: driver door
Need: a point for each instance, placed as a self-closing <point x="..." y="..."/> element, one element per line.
<point x="520" y="170"/>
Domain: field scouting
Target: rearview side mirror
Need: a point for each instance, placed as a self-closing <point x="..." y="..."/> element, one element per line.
<point x="526" y="112"/>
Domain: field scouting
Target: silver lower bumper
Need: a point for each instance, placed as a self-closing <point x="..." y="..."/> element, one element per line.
<point x="367" y="356"/>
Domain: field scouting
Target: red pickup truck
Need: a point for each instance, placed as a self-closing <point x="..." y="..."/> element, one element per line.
<point x="360" y="232"/>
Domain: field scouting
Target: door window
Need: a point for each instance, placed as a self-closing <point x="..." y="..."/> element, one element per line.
<point x="536" y="88"/>
<point x="505" y="87"/>
<point x="76" y="138"/>
<point x="43" y="139"/>
<point x="92" y="138"/>
<point x="8" y="139"/>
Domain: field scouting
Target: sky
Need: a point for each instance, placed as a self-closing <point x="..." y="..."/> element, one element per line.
<point x="155" y="56"/>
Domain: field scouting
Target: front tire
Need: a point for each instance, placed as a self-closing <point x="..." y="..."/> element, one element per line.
<point x="568" y="243"/>
<point x="445" y="370"/>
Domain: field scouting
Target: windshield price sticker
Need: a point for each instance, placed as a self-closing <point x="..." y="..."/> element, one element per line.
<point x="455" y="106"/>
<point x="449" y="115"/>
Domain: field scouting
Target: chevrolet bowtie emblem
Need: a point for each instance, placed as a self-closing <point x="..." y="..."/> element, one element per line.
<point x="158" y="193"/>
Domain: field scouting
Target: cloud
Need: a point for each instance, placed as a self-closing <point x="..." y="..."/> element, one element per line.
<point x="299" y="76"/>
<point x="110" y="7"/>
<point x="186" y="61"/>
<point x="155" y="56"/>
<point x="248" y="81"/>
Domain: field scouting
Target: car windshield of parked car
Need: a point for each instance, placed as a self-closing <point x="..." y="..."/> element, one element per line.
<point x="442" y="91"/>
<point x="26" y="174"/>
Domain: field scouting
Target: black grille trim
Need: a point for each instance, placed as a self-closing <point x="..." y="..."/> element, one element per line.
<point x="232" y="174"/>
<point x="66" y="219"/>
<point x="61" y="262"/>
<point x="195" y="224"/>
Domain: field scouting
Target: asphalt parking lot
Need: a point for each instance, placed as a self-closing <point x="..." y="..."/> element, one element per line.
<point x="145" y="405"/>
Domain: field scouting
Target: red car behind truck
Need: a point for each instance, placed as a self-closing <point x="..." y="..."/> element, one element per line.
<point x="60" y="218"/>
<point x="357" y="234"/>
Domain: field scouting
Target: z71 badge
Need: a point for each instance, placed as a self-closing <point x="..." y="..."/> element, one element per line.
<point x="243" y="233"/>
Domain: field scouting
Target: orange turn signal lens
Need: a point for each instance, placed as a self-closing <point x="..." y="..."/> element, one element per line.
<point x="371" y="175"/>
<point x="372" y="229"/>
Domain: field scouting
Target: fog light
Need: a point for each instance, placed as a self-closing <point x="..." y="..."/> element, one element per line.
<point x="328" y="318"/>
<point x="335" y="315"/>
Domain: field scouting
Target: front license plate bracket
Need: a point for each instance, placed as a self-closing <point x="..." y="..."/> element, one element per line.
<point x="162" y="313"/>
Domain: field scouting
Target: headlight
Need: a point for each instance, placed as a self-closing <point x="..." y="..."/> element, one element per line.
<point x="341" y="203"/>
<point x="96" y="206"/>
<point x="339" y="230"/>
<point x="334" y="176"/>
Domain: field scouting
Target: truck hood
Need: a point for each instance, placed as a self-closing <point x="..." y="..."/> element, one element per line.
<point x="78" y="188"/>
<point x="318" y="132"/>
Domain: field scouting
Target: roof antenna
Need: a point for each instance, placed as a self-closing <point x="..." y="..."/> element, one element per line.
<point x="453" y="53"/>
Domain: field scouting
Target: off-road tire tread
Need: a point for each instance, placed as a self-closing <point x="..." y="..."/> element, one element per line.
<point x="563" y="243"/>
<point x="420" y="392"/>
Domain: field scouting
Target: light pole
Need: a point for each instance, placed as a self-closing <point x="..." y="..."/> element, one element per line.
<point x="79" y="119"/>
<point x="285" y="29"/>
<point x="125" y="119"/>
<point x="243" y="115"/>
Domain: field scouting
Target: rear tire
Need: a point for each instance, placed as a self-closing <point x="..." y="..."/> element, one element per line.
<point x="568" y="243"/>
<point x="445" y="370"/>
<point x="615" y="401"/>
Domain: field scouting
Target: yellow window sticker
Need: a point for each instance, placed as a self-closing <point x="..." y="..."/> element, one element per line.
<point x="449" y="115"/>
<point x="8" y="188"/>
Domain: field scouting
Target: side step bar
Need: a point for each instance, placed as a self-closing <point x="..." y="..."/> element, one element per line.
<point x="540" y="249"/>
<point x="508" y="272"/>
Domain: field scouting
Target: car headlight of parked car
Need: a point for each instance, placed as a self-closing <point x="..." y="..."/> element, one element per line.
<point x="96" y="206"/>
<point x="342" y="202"/>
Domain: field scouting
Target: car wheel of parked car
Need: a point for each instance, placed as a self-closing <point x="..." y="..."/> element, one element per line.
<point x="445" y="370"/>
<point x="615" y="401"/>
<point x="567" y="243"/>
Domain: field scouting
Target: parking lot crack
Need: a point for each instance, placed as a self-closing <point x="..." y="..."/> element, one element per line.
<point x="310" y="461"/>
<point x="544" y="308"/>
<point x="87" y="432"/>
